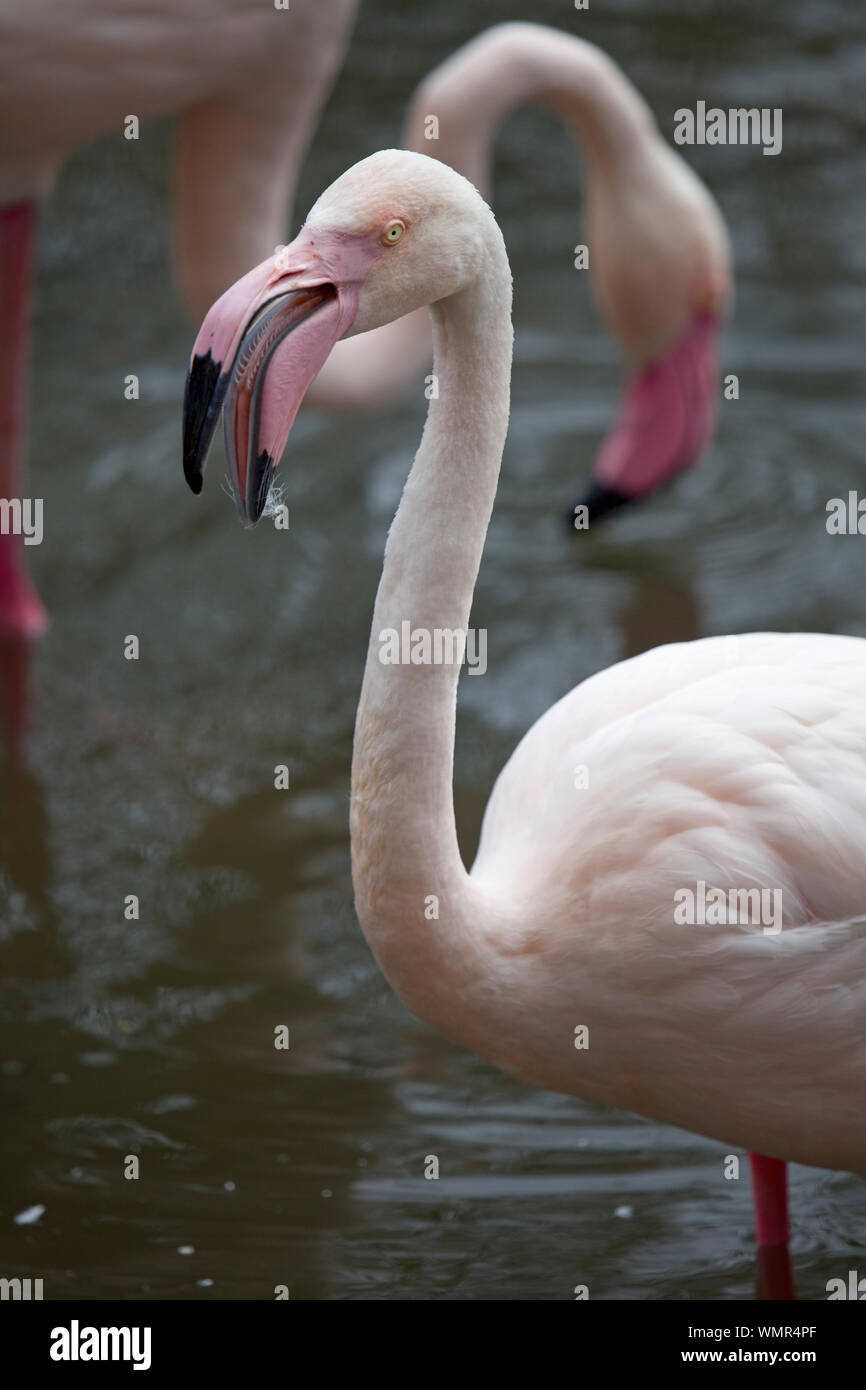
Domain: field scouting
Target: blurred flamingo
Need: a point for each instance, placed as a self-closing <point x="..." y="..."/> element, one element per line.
<point x="248" y="81"/>
<point x="659" y="254"/>
<point x="736" y="762"/>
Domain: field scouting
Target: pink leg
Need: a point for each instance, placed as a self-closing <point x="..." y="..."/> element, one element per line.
<point x="770" y="1196"/>
<point x="22" y="617"/>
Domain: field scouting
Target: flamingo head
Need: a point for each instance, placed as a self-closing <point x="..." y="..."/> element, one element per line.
<point x="395" y="232"/>
<point x="666" y="420"/>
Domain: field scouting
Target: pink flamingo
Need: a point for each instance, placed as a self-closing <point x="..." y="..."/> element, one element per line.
<point x="249" y="82"/>
<point x="736" y="763"/>
<point x="659" y="255"/>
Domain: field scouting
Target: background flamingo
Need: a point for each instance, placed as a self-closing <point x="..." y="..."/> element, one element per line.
<point x="660" y="260"/>
<point x="249" y="82"/>
<point x="736" y="761"/>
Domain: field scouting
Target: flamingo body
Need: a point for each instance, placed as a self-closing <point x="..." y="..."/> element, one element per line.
<point x="733" y="763"/>
<point x="738" y="762"/>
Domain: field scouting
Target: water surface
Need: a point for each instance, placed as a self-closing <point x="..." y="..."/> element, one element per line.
<point x="155" y="777"/>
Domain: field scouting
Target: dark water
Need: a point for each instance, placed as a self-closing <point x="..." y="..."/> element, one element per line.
<point x="155" y="777"/>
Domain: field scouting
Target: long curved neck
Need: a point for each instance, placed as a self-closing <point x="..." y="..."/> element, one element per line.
<point x="411" y="888"/>
<point x="473" y="92"/>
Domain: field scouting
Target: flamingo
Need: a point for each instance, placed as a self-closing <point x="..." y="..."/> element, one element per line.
<point x="737" y="763"/>
<point x="249" y="82"/>
<point x="659" y="252"/>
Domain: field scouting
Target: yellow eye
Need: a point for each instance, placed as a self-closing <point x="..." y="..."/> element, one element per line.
<point x="393" y="233"/>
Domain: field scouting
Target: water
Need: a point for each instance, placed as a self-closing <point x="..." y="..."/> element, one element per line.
<point x="156" y="1037"/>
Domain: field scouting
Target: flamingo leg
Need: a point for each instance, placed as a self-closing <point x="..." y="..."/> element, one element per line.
<point x="770" y="1196"/>
<point x="22" y="617"/>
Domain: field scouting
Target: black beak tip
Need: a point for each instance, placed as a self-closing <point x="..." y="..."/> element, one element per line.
<point x="206" y="385"/>
<point x="258" y="487"/>
<point x="597" y="501"/>
<point x="194" y="477"/>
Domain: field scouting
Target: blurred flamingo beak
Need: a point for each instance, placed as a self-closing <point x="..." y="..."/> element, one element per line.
<point x="666" y="421"/>
<point x="258" y="350"/>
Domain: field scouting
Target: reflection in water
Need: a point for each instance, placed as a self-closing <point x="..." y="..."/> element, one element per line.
<point x="661" y="605"/>
<point x="155" y="1035"/>
<point x="25" y="856"/>
<point x="662" y="611"/>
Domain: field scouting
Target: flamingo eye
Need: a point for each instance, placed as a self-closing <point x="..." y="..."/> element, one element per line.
<point x="393" y="233"/>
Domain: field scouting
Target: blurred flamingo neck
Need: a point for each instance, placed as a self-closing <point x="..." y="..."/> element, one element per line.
<point x="522" y="64"/>
<point x="609" y="117"/>
<point x="404" y="841"/>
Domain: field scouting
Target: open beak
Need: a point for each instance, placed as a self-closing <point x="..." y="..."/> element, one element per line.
<point x="666" y="421"/>
<point x="258" y="350"/>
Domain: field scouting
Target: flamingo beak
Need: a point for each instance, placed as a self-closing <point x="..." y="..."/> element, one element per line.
<point x="666" y="421"/>
<point x="258" y="350"/>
